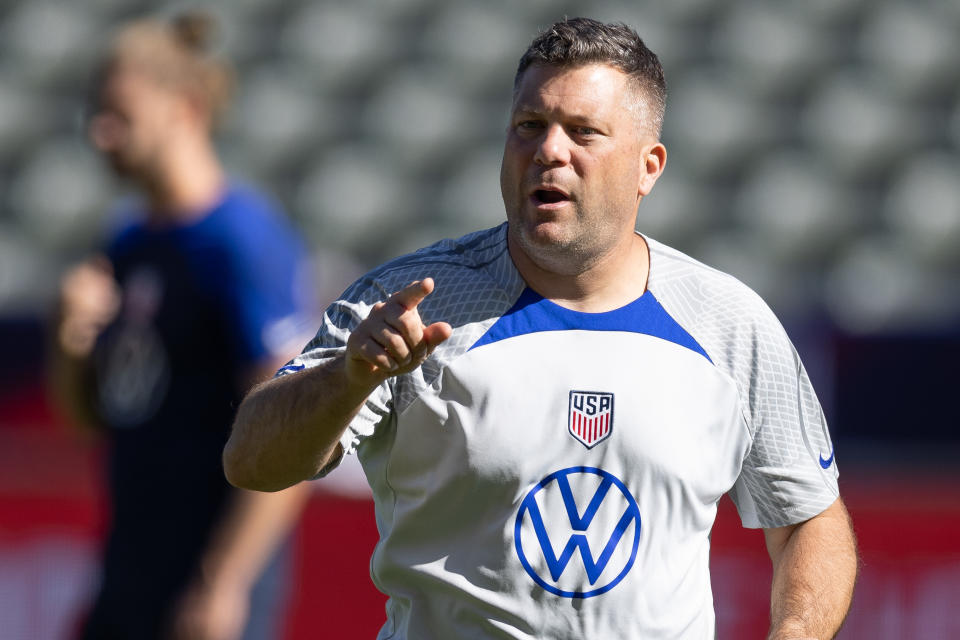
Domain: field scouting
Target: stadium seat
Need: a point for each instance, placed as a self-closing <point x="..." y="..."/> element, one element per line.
<point x="470" y="196"/>
<point x="419" y="114"/>
<point x="278" y="117"/>
<point x="877" y="285"/>
<point x="59" y="195"/>
<point x="355" y="196"/>
<point x="953" y="127"/>
<point x="837" y="13"/>
<point x="773" y="47"/>
<point x="50" y="42"/>
<point x="713" y="123"/>
<point x="27" y="277"/>
<point x="342" y="45"/>
<point x="797" y="208"/>
<point x="24" y="116"/>
<point x="859" y="126"/>
<point x="248" y="10"/>
<point x="923" y="208"/>
<point x="239" y="37"/>
<point x="914" y="48"/>
<point x="479" y="45"/>
<point x="692" y="10"/>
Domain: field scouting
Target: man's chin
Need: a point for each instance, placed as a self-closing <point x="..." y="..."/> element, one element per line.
<point x="546" y="233"/>
<point x="549" y="248"/>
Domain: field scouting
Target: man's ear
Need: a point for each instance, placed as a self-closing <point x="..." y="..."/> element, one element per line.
<point x="652" y="163"/>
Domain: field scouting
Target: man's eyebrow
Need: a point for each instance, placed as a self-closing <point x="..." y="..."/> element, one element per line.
<point x="527" y="109"/>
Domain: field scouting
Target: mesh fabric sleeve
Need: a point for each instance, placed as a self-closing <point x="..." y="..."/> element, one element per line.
<point x="788" y="474"/>
<point x="340" y="319"/>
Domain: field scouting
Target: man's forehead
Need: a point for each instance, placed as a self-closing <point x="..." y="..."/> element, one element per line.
<point x="595" y="84"/>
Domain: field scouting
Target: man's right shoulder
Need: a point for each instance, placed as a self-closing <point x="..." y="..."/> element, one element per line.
<point x="476" y="260"/>
<point x="475" y="282"/>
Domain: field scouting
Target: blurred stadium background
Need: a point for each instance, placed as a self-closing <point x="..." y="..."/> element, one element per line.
<point x="814" y="153"/>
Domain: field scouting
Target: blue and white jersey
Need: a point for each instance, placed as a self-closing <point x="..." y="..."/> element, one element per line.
<point x="549" y="473"/>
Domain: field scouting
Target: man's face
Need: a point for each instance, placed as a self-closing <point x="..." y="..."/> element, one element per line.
<point x="573" y="164"/>
<point x="133" y="121"/>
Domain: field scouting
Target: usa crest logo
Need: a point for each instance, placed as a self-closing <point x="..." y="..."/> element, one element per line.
<point x="590" y="417"/>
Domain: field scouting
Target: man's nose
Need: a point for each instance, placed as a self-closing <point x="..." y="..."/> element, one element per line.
<point x="554" y="147"/>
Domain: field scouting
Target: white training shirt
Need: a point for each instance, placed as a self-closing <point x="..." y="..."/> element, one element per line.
<point x="549" y="473"/>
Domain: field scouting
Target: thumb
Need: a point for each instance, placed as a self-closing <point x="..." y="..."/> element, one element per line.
<point x="436" y="333"/>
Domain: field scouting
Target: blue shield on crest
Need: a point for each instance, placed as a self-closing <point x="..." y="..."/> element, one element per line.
<point x="590" y="417"/>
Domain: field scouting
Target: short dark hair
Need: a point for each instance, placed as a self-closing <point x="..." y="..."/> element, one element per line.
<point x="575" y="42"/>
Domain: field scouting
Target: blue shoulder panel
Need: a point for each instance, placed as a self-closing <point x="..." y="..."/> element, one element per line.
<point x="532" y="313"/>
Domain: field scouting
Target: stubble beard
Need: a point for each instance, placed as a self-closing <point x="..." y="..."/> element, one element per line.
<point x="570" y="253"/>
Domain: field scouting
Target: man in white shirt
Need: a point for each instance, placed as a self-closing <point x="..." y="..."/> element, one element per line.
<point x="548" y="411"/>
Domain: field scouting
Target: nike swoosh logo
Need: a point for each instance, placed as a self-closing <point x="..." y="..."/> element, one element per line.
<point x="826" y="463"/>
<point x="292" y="367"/>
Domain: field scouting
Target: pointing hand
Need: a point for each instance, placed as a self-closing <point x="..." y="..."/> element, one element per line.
<point x="393" y="340"/>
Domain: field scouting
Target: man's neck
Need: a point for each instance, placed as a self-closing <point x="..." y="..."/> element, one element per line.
<point x="188" y="183"/>
<point x="609" y="282"/>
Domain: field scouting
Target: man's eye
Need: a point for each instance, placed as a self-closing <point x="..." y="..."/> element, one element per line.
<point x="585" y="131"/>
<point x="528" y="124"/>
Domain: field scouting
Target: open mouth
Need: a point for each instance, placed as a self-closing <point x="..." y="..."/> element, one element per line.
<point x="549" y="196"/>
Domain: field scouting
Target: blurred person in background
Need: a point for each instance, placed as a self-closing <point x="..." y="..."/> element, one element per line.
<point x="202" y="293"/>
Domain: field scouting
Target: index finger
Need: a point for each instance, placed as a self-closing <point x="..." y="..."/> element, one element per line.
<point x="413" y="294"/>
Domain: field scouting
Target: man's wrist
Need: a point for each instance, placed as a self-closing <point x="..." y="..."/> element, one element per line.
<point x="795" y="632"/>
<point x="217" y="572"/>
<point x="359" y="377"/>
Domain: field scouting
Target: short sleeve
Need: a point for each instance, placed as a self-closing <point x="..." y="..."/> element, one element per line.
<point x="339" y="321"/>
<point x="789" y="474"/>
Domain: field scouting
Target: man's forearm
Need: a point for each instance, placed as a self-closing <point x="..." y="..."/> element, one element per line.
<point x="255" y="525"/>
<point x="814" y="570"/>
<point x="69" y="382"/>
<point x="287" y="428"/>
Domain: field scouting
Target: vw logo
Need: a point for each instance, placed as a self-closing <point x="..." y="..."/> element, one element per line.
<point x="577" y="532"/>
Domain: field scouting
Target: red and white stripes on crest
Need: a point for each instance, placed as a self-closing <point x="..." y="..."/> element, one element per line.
<point x="591" y="429"/>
